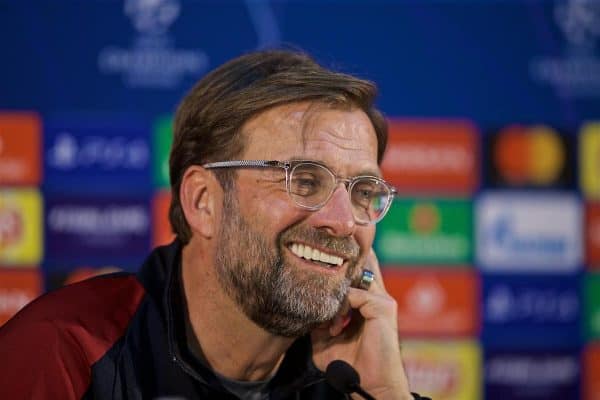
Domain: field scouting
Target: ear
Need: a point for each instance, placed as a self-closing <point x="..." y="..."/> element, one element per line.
<point x="201" y="198"/>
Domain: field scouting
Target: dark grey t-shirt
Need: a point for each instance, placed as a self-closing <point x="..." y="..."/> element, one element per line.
<point x="246" y="390"/>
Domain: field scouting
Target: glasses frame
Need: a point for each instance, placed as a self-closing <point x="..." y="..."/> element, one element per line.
<point x="289" y="167"/>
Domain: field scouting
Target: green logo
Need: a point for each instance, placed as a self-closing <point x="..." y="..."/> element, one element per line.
<point x="592" y="306"/>
<point x="162" y="141"/>
<point x="426" y="231"/>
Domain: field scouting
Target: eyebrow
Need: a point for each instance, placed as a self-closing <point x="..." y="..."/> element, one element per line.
<point x="364" y="172"/>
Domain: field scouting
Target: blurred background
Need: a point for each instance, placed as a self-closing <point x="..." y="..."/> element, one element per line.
<point x="492" y="248"/>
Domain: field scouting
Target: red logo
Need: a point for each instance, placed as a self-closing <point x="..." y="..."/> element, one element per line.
<point x="592" y="235"/>
<point x="591" y="372"/>
<point x="17" y="288"/>
<point x="20" y="149"/>
<point x="429" y="155"/>
<point x="162" y="232"/>
<point x="434" y="301"/>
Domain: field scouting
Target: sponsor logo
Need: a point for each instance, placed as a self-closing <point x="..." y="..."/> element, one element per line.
<point x="504" y="304"/>
<point x="17" y="289"/>
<point x="521" y="308"/>
<point x="521" y="231"/>
<point x="162" y="141"/>
<point x="592" y="306"/>
<point x="107" y="230"/>
<point x="432" y="156"/>
<point x="530" y="156"/>
<point x="575" y="73"/>
<point x="11" y="227"/>
<point x="20" y="227"/>
<point x="438" y="377"/>
<point x="589" y="160"/>
<point x="547" y="375"/>
<point x="426" y="297"/>
<point x="443" y="370"/>
<point x="435" y="301"/>
<point x="592" y="235"/>
<point x="162" y="232"/>
<point x="69" y="152"/>
<point x="20" y="149"/>
<point x="591" y="372"/>
<point x="426" y="231"/>
<point x="111" y="220"/>
<point x="527" y="371"/>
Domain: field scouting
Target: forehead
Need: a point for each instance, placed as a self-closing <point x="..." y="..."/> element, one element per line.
<point x="341" y="138"/>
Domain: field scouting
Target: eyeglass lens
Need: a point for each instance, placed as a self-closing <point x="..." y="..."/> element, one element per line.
<point x="311" y="185"/>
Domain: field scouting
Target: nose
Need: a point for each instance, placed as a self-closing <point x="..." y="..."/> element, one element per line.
<point x="336" y="216"/>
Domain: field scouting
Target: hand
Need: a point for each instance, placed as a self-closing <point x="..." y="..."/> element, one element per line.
<point x="365" y="334"/>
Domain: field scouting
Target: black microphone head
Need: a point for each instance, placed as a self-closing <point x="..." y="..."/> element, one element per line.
<point x="342" y="376"/>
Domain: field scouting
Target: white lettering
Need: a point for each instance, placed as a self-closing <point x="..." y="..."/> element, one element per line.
<point x="431" y="158"/>
<point x="532" y="371"/>
<point x="112" y="220"/>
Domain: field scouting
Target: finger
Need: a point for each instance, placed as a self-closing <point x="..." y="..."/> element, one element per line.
<point x="341" y="319"/>
<point x="373" y="305"/>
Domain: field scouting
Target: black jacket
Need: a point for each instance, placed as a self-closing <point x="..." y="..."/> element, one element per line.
<point x="122" y="336"/>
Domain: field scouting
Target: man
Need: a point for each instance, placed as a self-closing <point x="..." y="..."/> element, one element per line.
<point x="276" y="192"/>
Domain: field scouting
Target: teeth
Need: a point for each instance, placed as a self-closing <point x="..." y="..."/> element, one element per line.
<point x="309" y="253"/>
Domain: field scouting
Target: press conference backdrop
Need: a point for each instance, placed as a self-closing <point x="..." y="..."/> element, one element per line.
<point x="492" y="248"/>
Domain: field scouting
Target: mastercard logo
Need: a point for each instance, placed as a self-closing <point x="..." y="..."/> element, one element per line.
<point x="529" y="155"/>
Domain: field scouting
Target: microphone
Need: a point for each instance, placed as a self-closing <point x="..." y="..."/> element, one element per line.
<point x="344" y="378"/>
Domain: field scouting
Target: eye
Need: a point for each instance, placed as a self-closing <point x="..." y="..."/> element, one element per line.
<point x="305" y="184"/>
<point x="364" y="192"/>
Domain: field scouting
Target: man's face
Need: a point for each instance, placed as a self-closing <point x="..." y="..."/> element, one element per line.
<point x="258" y="261"/>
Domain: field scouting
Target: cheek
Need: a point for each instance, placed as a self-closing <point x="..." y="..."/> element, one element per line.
<point x="270" y="214"/>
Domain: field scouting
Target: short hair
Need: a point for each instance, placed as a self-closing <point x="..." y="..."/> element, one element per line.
<point x="208" y="121"/>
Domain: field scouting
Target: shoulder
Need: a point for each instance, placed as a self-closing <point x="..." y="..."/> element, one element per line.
<point x="96" y="307"/>
<point x="68" y="330"/>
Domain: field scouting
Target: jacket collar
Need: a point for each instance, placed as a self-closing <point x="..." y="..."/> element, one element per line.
<point x="161" y="276"/>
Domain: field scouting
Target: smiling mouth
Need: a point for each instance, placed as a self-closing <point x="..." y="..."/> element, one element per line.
<point x="315" y="255"/>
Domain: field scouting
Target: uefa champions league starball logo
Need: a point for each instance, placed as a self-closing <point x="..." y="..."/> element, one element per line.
<point x="579" y="20"/>
<point x="153" y="17"/>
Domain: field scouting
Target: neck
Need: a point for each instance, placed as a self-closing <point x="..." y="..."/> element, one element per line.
<point x="219" y="331"/>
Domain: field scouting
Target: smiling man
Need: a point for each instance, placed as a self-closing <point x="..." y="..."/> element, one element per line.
<point x="276" y="192"/>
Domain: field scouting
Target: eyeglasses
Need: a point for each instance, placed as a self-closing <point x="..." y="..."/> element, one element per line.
<point x="311" y="184"/>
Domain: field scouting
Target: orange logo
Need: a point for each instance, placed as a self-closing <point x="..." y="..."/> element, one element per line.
<point x="11" y="227"/>
<point x="17" y="288"/>
<point x="434" y="301"/>
<point x="162" y="233"/>
<point x="20" y="149"/>
<point x="426" y="156"/>
<point x="529" y="155"/>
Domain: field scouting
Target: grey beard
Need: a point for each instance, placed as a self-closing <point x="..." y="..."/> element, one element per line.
<point x="281" y="299"/>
